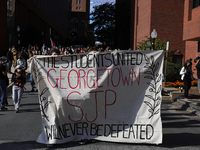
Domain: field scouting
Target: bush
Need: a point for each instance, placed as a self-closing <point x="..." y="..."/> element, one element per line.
<point x="172" y="72"/>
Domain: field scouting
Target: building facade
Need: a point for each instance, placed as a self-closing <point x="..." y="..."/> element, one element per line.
<point x="166" y="17"/>
<point x="191" y="29"/>
<point x="82" y="33"/>
<point x="35" y="21"/>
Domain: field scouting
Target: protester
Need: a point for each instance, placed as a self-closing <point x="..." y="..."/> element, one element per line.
<point x="186" y="73"/>
<point x="14" y="51"/>
<point x="3" y="74"/>
<point x="10" y="59"/>
<point x="43" y="47"/>
<point x="198" y="73"/>
<point x="6" y="80"/>
<point x="21" y="61"/>
<point x="55" y="52"/>
<point x="18" y="79"/>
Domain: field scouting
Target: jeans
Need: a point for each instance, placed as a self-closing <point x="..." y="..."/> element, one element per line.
<point x="17" y="95"/>
<point x="3" y="91"/>
<point x="9" y="66"/>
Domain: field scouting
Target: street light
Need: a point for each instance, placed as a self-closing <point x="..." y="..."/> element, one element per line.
<point x="18" y="30"/>
<point x="167" y="48"/>
<point x="148" y="45"/>
<point x="154" y="36"/>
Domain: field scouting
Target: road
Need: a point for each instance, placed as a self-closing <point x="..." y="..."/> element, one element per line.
<point x="181" y="130"/>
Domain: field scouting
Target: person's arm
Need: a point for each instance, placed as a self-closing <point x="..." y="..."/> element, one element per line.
<point x="182" y="71"/>
<point x="13" y="77"/>
<point x="198" y="65"/>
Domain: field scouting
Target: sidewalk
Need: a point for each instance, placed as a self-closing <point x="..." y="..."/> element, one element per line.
<point x="190" y="104"/>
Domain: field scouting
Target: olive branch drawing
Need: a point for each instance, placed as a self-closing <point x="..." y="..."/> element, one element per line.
<point x="43" y="100"/>
<point x="154" y="86"/>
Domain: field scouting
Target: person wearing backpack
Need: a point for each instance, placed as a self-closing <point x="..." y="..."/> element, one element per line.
<point x="19" y="80"/>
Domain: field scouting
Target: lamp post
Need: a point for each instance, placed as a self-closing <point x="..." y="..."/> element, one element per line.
<point x="148" y="45"/>
<point x="18" y="35"/>
<point x="154" y="36"/>
<point x="167" y="48"/>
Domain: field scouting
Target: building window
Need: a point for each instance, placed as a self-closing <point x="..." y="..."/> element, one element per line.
<point x="196" y="3"/>
<point x="79" y="8"/>
<point x="177" y="59"/>
<point x="76" y="8"/>
<point x="74" y="24"/>
<point x="78" y="2"/>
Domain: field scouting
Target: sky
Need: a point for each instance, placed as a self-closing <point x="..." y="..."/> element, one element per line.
<point x="98" y="2"/>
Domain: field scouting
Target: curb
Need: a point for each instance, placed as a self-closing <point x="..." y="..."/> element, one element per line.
<point x="189" y="105"/>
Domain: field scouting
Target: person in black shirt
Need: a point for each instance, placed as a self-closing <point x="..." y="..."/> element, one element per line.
<point x="3" y="74"/>
<point x="198" y="73"/>
<point x="18" y="79"/>
<point x="186" y="73"/>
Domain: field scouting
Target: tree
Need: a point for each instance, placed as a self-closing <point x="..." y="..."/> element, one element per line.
<point x="103" y="20"/>
<point x="171" y="70"/>
<point x="159" y="45"/>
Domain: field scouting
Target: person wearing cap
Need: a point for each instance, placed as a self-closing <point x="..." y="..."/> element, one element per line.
<point x="18" y="79"/>
<point x="3" y="75"/>
<point x="14" y="51"/>
<point x="186" y="73"/>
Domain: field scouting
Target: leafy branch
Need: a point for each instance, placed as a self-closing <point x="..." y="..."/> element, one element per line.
<point x="43" y="100"/>
<point x="154" y="86"/>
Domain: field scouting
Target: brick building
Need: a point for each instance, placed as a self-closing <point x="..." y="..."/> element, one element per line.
<point x="81" y="31"/>
<point x="191" y="28"/>
<point x="3" y="27"/>
<point x="166" y="16"/>
<point x="38" y="20"/>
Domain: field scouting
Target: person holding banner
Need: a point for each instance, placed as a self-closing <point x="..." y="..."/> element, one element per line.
<point x="186" y="73"/>
<point x="55" y="52"/>
<point x="18" y="79"/>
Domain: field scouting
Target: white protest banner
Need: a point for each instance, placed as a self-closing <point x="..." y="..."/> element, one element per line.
<point x="113" y="96"/>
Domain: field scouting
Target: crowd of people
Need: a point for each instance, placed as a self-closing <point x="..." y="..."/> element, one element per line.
<point x="17" y="58"/>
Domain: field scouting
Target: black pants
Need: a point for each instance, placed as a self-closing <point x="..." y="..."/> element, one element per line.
<point x="187" y="85"/>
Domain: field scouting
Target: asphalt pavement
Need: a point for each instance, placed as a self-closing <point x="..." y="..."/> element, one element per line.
<point x="19" y="131"/>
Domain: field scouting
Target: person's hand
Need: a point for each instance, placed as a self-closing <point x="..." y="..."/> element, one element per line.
<point x="31" y="58"/>
<point x="185" y="71"/>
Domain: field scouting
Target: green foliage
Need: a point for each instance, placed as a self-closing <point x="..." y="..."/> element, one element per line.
<point x="103" y="20"/>
<point x="159" y="45"/>
<point x="172" y="72"/>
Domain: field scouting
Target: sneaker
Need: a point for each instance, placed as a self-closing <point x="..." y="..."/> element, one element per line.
<point x="3" y="108"/>
<point x="32" y="90"/>
<point x="83" y="141"/>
